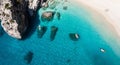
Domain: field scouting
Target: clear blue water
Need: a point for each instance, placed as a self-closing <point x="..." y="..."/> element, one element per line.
<point x="61" y="51"/>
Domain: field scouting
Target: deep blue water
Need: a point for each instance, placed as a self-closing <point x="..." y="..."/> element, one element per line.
<point x="61" y="51"/>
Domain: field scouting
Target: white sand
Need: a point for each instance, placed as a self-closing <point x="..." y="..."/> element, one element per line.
<point x="110" y="9"/>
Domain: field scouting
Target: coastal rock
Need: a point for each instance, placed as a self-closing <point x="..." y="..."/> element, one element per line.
<point x="65" y="7"/>
<point x="58" y="15"/>
<point x="41" y="31"/>
<point x="28" y="57"/>
<point x="14" y="15"/>
<point x="33" y="6"/>
<point x="54" y="30"/>
<point x="52" y="3"/>
<point x="43" y="1"/>
<point x="74" y="36"/>
<point x="47" y="16"/>
<point x="1" y="31"/>
<point x="45" y="5"/>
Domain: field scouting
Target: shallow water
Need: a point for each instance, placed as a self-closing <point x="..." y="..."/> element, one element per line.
<point x="62" y="50"/>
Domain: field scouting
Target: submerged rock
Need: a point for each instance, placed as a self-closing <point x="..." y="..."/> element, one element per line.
<point x="41" y="31"/>
<point x="74" y="36"/>
<point x="54" y="30"/>
<point x="47" y="16"/>
<point x="68" y="60"/>
<point x="65" y="7"/>
<point x="28" y="57"/>
<point x="58" y="15"/>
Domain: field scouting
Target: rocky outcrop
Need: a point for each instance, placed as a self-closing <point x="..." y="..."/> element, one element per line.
<point x="47" y="16"/>
<point x="74" y="36"/>
<point x="41" y="31"/>
<point x="54" y="30"/>
<point x="28" y="57"/>
<point x="14" y="15"/>
<point x="33" y="5"/>
<point x="58" y="15"/>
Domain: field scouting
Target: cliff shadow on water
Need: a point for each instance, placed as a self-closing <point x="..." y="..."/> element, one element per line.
<point x="1" y="30"/>
<point x="32" y="25"/>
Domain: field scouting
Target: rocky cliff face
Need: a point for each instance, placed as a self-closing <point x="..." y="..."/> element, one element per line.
<point x="15" y="17"/>
<point x="33" y="5"/>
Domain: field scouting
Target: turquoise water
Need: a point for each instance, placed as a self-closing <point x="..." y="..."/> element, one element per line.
<point x="61" y="51"/>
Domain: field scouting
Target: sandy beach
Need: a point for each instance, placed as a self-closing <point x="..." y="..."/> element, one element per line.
<point x="107" y="16"/>
<point x="110" y="9"/>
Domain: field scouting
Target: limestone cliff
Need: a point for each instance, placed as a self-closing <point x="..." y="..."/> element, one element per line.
<point x="14" y="15"/>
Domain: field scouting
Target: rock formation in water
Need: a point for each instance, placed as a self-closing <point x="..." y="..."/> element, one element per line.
<point x="41" y="31"/>
<point x="74" y="36"/>
<point x="47" y="16"/>
<point x="64" y="7"/>
<point x="33" y="6"/>
<point x="15" y="17"/>
<point x="58" y="15"/>
<point x="54" y="30"/>
<point x="28" y="57"/>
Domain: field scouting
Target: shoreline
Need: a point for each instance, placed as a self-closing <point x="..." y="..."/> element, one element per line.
<point x="96" y="11"/>
<point x="109" y="29"/>
<point x="108" y="10"/>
